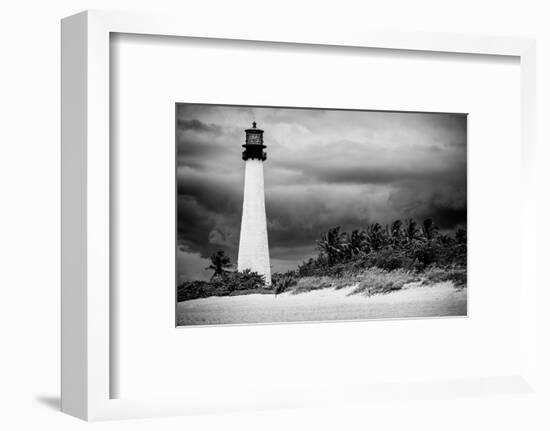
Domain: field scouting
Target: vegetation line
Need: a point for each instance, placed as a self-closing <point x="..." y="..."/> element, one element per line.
<point x="378" y="259"/>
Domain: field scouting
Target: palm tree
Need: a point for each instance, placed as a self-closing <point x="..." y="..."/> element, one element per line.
<point x="345" y="246"/>
<point x="333" y="244"/>
<point x="375" y="236"/>
<point x="219" y="263"/>
<point x="429" y="229"/>
<point x="396" y="232"/>
<point x="358" y="242"/>
<point x="396" y="228"/>
<point x="411" y="230"/>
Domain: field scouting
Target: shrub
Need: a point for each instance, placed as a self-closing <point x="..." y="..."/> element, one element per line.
<point x="425" y="253"/>
<point x="307" y="284"/>
<point x="245" y="280"/>
<point x="281" y="282"/>
<point x="457" y="275"/>
<point x="193" y="289"/>
<point x="378" y="281"/>
<point x="229" y="283"/>
<point x="389" y="259"/>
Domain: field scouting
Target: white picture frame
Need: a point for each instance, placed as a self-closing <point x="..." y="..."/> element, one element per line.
<point x="86" y="312"/>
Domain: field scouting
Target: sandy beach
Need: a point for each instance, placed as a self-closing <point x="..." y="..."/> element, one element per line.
<point x="441" y="299"/>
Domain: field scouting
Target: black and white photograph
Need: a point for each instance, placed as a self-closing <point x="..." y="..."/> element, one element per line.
<point x="281" y="215"/>
<point x="317" y="215"/>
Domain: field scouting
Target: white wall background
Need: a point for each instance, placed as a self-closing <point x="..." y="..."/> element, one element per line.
<point x="29" y="220"/>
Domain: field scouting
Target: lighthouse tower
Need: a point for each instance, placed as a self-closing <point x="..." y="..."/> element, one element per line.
<point x="253" y="248"/>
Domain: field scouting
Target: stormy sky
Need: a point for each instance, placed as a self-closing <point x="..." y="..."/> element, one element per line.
<point x="324" y="168"/>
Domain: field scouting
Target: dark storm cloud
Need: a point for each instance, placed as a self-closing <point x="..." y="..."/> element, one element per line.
<point x="366" y="175"/>
<point x="324" y="169"/>
<point x="212" y="192"/>
<point x="208" y="212"/>
<point x="196" y="125"/>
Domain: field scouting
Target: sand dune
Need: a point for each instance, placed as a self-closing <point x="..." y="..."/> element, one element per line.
<point x="441" y="299"/>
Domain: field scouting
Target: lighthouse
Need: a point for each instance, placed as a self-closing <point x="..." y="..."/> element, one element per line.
<point x="253" y="248"/>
